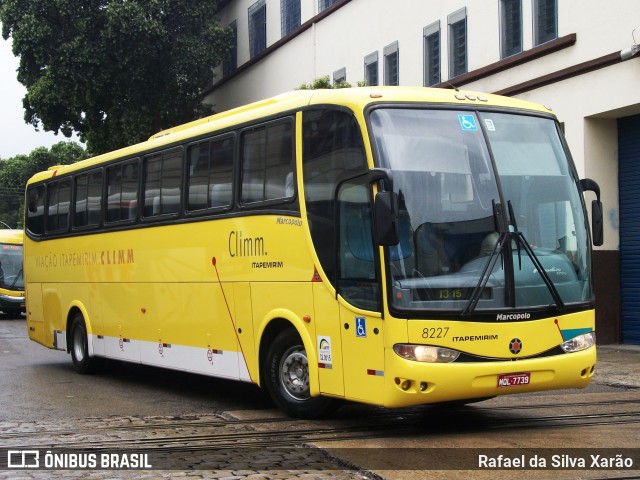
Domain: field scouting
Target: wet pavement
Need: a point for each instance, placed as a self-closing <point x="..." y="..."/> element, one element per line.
<point x="254" y="433"/>
<point x="618" y="365"/>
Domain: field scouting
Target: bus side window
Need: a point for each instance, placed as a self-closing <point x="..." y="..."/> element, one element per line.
<point x="162" y="183"/>
<point x="88" y="200"/>
<point x="122" y="192"/>
<point x="332" y="148"/>
<point x="210" y="173"/>
<point x="58" y="200"/>
<point x="267" y="160"/>
<point x="35" y="210"/>
<point x="358" y="276"/>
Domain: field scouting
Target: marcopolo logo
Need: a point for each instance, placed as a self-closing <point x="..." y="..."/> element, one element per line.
<point x="513" y="316"/>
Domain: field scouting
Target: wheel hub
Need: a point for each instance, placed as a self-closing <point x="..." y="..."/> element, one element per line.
<point x="294" y="373"/>
<point x="78" y="344"/>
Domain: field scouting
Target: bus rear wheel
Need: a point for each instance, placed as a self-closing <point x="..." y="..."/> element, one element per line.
<point x="286" y="375"/>
<point x="82" y="362"/>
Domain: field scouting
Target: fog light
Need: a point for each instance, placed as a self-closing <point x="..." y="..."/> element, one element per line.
<point x="423" y="386"/>
<point x="406" y="385"/>
<point x="581" y="342"/>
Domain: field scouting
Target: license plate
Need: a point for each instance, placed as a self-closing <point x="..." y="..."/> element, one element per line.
<point x="514" y="379"/>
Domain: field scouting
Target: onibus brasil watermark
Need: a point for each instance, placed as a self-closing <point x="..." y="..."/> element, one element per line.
<point x="35" y="459"/>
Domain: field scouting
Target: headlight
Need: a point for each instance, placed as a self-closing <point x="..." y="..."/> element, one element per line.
<point x="426" y="353"/>
<point x="580" y="342"/>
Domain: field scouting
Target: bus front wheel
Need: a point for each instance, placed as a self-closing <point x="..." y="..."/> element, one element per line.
<point x="82" y="362"/>
<point x="286" y="375"/>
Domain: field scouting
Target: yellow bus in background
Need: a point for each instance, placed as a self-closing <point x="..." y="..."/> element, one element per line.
<point x="12" y="302"/>
<point x="393" y="246"/>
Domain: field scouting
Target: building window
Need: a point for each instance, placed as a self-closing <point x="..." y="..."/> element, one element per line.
<point x="431" y="34"/>
<point x="510" y="27"/>
<point x="545" y="21"/>
<point x="391" y="74"/>
<point x="340" y="76"/>
<point x="289" y="15"/>
<point x="457" y="23"/>
<point x="324" y="4"/>
<point x="230" y="64"/>
<point x="257" y="28"/>
<point x="371" y="69"/>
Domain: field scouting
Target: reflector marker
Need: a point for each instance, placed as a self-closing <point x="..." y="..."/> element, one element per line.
<point x="377" y="373"/>
<point x="316" y="276"/>
<point x="327" y="366"/>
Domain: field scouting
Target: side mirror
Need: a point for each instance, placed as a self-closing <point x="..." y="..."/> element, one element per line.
<point x="596" y="223"/>
<point x="386" y="225"/>
<point x="597" y="228"/>
<point x="385" y="215"/>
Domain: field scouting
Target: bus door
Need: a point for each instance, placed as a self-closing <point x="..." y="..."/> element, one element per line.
<point x="359" y="294"/>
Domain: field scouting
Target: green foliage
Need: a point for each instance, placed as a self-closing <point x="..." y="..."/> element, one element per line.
<point x="325" y="82"/>
<point x="115" y="72"/>
<point x="15" y="171"/>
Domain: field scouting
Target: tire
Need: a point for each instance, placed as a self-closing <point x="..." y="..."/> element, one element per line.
<point x="82" y="362"/>
<point x="286" y="377"/>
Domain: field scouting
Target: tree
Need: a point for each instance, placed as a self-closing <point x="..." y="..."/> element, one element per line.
<point x="325" y="82"/>
<point x="15" y="171"/>
<point x="113" y="71"/>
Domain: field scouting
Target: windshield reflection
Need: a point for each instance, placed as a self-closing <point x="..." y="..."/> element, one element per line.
<point x="11" y="276"/>
<point x="474" y="236"/>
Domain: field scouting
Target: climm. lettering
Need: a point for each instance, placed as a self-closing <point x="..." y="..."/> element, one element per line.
<point x="240" y="246"/>
<point x="116" y="257"/>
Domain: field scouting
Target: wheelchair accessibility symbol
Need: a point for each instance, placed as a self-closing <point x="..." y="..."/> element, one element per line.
<point x="468" y="122"/>
<point x="361" y="327"/>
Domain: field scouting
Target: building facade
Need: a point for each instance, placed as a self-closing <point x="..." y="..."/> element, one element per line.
<point x="580" y="58"/>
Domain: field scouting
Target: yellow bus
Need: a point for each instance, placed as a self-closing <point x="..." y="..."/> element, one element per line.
<point x="12" y="302"/>
<point x="393" y="246"/>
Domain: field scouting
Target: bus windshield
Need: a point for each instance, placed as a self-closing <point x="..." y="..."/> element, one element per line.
<point x="11" y="277"/>
<point x="490" y="214"/>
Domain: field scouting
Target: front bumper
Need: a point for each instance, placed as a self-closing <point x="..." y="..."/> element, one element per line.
<point x="409" y="383"/>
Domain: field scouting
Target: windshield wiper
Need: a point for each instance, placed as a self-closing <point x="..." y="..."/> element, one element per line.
<point x="500" y="226"/>
<point x="521" y="240"/>
<point x="503" y="243"/>
<point x="484" y="277"/>
<point x="16" y="279"/>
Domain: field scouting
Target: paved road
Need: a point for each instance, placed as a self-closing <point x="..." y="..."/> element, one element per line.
<point x="207" y="428"/>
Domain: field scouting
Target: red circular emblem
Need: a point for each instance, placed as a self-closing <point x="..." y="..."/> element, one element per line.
<point x="515" y="346"/>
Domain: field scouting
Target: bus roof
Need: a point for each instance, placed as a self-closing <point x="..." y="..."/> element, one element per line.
<point x="355" y="98"/>
<point x="11" y="236"/>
